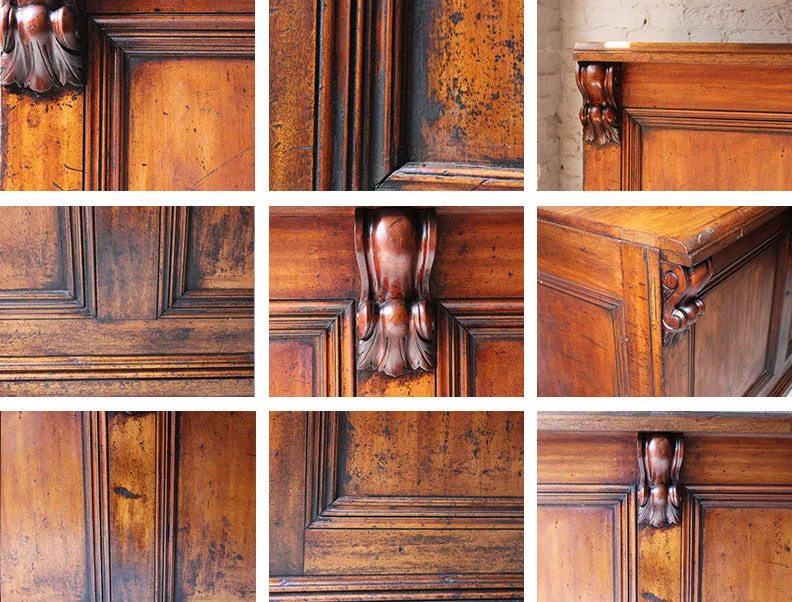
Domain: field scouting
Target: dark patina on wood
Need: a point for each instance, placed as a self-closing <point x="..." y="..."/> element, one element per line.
<point x="659" y="460"/>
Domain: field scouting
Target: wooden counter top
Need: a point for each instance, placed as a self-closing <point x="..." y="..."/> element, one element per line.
<point x="683" y="52"/>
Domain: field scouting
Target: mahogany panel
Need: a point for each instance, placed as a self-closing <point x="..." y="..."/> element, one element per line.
<point x="292" y="368"/>
<point x="711" y="460"/>
<point x="581" y="336"/>
<point x="34" y="152"/>
<point x="738" y="317"/>
<point x="752" y="543"/>
<point x="181" y="141"/>
<point x="465" y="82"/>
<point x="34" y="246"/>
<point x="220" y="248"/>
<point x="498" y="366"/>
<point x="431" y="453"/>
<point x="679" y="158"/>
<point x="216" y="505"/>
<point x="374" y="552"/>
<point x="45" y="513"/>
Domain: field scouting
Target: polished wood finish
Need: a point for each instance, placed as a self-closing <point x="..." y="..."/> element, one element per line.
<point x="733" y="530"/>
<point x="381" y="95"/>
<point x="395" y="250"/>
<point x="685" y="116"/>
<point x="664" y="301"/>
<point x="396" y="505"/>
<point x="127" y="300"/>
<point x="167" y="102"/>
<point x="130" y="505"/>
<point x="659" y="460"/>
<point x="40" y="44"/>
<point x="444" y="286"/>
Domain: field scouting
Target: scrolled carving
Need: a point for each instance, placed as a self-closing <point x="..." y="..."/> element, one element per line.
<point x="660" y="460"/>
<point x="395" y="250"/>
<point x="599" y="83"/>
<point x="40" y="44"/>
<point x="681" y="306"/>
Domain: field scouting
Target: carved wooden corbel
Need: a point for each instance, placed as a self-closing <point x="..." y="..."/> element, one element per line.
<point x="600" y="83"/>
<point x="660" y="460"/>
<point x="395" y="250"/>
<point x="681" y="306"/>
<point x="40" y="44"/>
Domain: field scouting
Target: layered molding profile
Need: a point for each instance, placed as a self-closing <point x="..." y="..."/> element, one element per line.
<point x="328" y="326"/>
<point x="462" y="323"/>
<point x="354" y="588"/>
<point x="600" y="86"/>
<point x="360" y="108"/>
<point x="174" y="300"/>
<point x="620" y="500"/>
<point x="325" y="509"/>
<point x="681" y="304"/>
<point x="659" y="495"/>
<point x="40" y="44"/>
<point x="98" y="484"/>
<point x="395" y="249"/>
<point x="77" y="299"/>
<point x="117" y="38"/>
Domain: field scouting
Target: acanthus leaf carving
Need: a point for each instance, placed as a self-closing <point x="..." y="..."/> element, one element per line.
<point x="40" y="44"/>
<point x="681" y="305"/>
<point x="599" y="84"/>
<point x="395" y="250"/>
<point x="660" y="460"/>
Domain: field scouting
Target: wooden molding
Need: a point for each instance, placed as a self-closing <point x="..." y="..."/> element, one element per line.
<point x="174" y="300"/>
<point x="453" y="176"/>
<point x="329" y="325"/>
<point x="354" y="588"/>
<point x="97" y="491"/>
<point x="697" y="499"/>
<point x="660" y="461"/>
<point x="113" y="39"/>
<point x="104" y="367"/>
<point x="681" y="304"/>
<point x="41" y="46"/>
<point x="600" y="85"/>
<point x="325" y="509"/>
<point x="395" y="250"/>
<point x="77" y="299"/>
<point x="466" y="321"/>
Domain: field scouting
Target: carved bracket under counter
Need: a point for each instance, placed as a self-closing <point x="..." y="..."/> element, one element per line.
<point x="600" y="85"/>
<point x="395" y="250"/>
<point x="660" y="461"/>
<point x="681" y="305"/>
<point x="40" y="44"/>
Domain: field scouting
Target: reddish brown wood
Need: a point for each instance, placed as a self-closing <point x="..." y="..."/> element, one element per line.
<point x="600" y="114"/>
<point x="40" y="44"/>
<point x="395" y="318"/>
<point x="660" y="460"/>
<point x="681" y="306"/>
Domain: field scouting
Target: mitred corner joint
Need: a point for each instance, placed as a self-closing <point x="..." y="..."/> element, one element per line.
<point x="600" y="85"/>
<point x="681" y="305"/>
<point x="395" y="250"/>
<point x="40" y="44"/>
<point x="660" y="461"/>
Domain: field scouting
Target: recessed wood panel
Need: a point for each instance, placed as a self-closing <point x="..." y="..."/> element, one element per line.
<point x="431" y="453"/>
<point x="185" y="134"/>
<point x="33" y="243"/>
<point x="581" y="341"/>
<point x="216" y="505"/>
<point x="220" y="248"/>
<point x="291" y="366"/>
<point x="44" y="528"/>
<point x="577" y="558"/>
<point x="465" y="82"/>
<point x="498" y="366"/>
<point x="737" y="318"/>
<point x="746" y="553"/>
<point x="699" y="159"/>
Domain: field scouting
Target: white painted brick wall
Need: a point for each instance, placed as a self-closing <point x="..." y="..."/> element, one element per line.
<point x="559" y="129"/>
